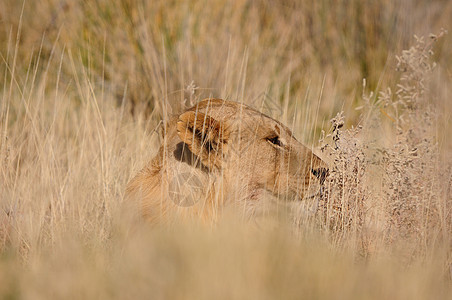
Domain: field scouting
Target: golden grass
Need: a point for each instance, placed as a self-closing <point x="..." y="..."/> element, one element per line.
<point x="86" y="83"/>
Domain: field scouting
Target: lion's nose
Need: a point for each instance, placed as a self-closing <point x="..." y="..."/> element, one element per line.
<point x="320" y="173"/>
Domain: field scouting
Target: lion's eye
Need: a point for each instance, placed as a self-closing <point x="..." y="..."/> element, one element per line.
<point x="275" y="141"/>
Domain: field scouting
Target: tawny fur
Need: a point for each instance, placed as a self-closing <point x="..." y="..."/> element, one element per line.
<point x="235" y="155"/>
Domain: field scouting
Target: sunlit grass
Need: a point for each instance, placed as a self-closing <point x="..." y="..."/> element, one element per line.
<point x="85" y="85"/>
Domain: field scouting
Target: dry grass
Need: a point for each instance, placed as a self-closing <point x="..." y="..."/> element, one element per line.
<point x="85" y="84"/>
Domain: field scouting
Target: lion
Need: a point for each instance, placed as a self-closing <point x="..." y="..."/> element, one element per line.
<point x="222" y="154"/>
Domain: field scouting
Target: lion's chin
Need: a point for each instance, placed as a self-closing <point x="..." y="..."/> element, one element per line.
<point x="308" y="203"/>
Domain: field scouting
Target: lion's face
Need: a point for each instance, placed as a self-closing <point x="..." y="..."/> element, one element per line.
<point x="252" y="152"/>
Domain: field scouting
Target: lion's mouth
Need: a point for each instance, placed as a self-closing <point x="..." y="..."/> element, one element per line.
<point x="312" y="192"/>
<point x="319" y="194"/>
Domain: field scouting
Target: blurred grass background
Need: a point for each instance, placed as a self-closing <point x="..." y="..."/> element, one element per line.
<point x="84" y="85"/>
<point x="146" y="51"/>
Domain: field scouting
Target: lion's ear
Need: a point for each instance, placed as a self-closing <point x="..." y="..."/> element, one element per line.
<point x="204" y="136"/>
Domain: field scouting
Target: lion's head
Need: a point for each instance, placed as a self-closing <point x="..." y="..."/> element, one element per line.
<point x="221" y="152"/>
